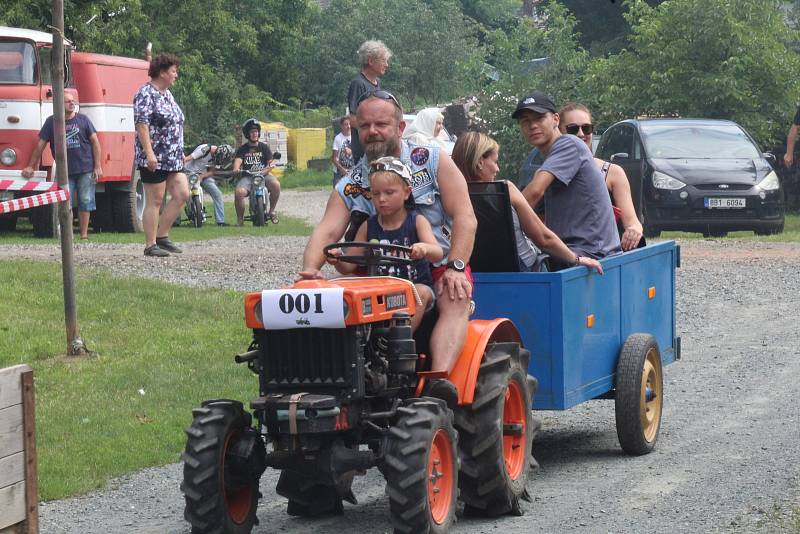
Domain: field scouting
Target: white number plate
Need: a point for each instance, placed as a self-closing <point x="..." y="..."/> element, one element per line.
<point x="303" y="308"/>
<point x="724" y="203"/>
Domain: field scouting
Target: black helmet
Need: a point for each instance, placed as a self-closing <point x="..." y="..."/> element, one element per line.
<point x="250" y="124"/>
<point x="223" y="155"/>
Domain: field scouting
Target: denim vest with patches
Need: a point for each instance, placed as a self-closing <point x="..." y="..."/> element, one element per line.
<point x="422" y="161"/>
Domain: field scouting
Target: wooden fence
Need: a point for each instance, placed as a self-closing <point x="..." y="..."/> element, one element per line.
<point x="19" y="505"/>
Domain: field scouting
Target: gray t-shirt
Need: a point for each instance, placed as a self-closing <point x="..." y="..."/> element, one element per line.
<point x="577" y="205"/>
<point x="359" y="86"/>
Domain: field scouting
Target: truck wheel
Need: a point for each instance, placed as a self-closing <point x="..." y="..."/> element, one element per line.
<point x="127" y="206"/>
<point x="197" y="212"/>
<point x="496" y="433"/>
<point x="307" y="497"/>
<point x="44" y="220"/>
<point x="639" y="394"/>
<point x="8" y="223"/>
<point x="102" y="218"/>
<point x="259" y="212"/>
<point x="221" y="490"/>
<point x="421" y="468"/>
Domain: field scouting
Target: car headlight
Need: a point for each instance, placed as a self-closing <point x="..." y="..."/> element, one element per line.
<point x="665" y="181"/>
<point x="8" y="156"/>
<point x="770" y="182"/>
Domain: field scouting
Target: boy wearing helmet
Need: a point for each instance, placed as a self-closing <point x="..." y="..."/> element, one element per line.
<point x="203" y="161"/>
<point x="256" y="158"/>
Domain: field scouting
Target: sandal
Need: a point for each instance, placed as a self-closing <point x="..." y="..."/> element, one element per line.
<point x="273" y="218"/>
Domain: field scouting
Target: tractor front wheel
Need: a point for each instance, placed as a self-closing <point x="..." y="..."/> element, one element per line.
<point x="496" y="433"/>
<point x="220" y="486"/>
<point x="421" y="468"/>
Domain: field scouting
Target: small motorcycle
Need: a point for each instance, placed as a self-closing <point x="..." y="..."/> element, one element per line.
<point x="259" y="196"/>
<point x="195" y="208"/>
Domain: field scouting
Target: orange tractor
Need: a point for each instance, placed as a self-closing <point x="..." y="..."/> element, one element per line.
<point x="340" y="390"/>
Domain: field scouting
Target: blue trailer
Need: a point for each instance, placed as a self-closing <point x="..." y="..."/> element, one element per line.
<point x="590" y="335"/>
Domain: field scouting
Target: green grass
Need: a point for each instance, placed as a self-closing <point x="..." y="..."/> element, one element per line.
<point x="791" y="233"/>
<point x="160" y="350"/>
<point x="184" y="232"/>
<point x="309" y="178"/>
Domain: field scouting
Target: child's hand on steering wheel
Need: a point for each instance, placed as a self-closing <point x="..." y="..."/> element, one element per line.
<point x="418" y="251"/>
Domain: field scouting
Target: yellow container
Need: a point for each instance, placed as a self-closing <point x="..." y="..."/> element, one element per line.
<point x="276" y="134"/>
<point x="304" y="144"/>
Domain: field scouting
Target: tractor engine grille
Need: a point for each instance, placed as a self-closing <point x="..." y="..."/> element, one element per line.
<point x="312" y="359"/>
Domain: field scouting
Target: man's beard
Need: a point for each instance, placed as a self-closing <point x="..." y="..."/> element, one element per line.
<point x="378" y="149"/>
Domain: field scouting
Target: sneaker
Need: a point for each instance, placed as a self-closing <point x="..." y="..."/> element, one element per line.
<point x="154" y="250"/>
<point x="441" y="388"/>
<point x="222" y="224"/>
<point x="167" y="244"/>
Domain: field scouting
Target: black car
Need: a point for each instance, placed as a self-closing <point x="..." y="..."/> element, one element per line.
<point x="697" y="175"/>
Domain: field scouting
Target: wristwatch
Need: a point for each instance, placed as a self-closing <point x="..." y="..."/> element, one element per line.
<point x="457" y="265"/>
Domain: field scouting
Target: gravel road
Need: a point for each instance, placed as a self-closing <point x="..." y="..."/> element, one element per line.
<point x="727" y="460"/>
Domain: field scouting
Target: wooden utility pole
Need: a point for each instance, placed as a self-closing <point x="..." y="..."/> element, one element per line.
<point x="74" y="343"/>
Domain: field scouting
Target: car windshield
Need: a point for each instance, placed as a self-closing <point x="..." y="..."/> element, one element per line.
<point x="697" y="141"/>
<point x="17" y="62"/>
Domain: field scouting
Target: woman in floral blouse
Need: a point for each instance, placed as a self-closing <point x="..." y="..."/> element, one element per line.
<point x="159" y="154"/>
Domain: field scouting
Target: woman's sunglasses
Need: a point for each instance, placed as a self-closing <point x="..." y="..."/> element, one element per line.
<point x="573" y="128"/>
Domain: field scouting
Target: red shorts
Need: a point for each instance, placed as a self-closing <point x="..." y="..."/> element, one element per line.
<point x="437" y="273"/>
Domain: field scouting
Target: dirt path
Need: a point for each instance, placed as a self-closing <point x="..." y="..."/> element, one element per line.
<point x="728" y="457"/>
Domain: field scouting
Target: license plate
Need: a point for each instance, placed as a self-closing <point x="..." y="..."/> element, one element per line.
<point x="724" y="203"/>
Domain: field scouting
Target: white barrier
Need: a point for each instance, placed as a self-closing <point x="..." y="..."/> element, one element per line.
<point x="19" y="505"/>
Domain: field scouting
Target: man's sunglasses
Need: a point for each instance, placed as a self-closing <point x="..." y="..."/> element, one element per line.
<point x="380" y="93"/>
<point x="573" y="128"/>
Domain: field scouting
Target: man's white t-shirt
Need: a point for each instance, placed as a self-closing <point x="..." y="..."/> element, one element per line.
<point x="341" y="143"/>
<point x="201" y="160"/>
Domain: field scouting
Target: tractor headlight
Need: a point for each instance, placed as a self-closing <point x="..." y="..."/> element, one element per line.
<point x="770" y="182"/>
<point x="665" y="181"/>
<point x="8" y="156"/>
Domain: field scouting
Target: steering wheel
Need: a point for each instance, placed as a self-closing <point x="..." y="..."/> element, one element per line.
<point x="375" y="255"/>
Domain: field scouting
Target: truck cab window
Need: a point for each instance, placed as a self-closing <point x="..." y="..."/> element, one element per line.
<point x="17" y="63"/>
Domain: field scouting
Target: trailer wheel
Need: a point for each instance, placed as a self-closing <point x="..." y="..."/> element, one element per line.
<point x="639" y="394"/>
<point x="220" y="488"/>
<point x="127" y="205"/>
<point x="496" y="433"/>
<point x="421" y="468"/>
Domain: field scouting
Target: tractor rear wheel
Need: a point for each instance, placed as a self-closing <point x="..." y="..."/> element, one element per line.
<point x="421" y="468"/>
<point x="221" y="492"/>
<point x="639" y="394"/>
<point x="496" y="433"/>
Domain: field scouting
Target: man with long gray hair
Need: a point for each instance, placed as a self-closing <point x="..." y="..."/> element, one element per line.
<point x="374" y="59"/>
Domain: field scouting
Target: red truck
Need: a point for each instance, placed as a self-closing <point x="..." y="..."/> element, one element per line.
<point x="105" y="86"/>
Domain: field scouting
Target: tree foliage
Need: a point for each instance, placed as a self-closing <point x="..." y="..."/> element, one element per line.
<point x="436" y="54"/>
<point x="733" y="59"/>
<point x="725" y="59"/>
<point x="529" y="56"/>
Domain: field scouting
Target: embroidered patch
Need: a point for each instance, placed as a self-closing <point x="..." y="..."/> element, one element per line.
<point x="355" y="190"/>
<point x="421" y="178"/>
<point x="419" y="156"/>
